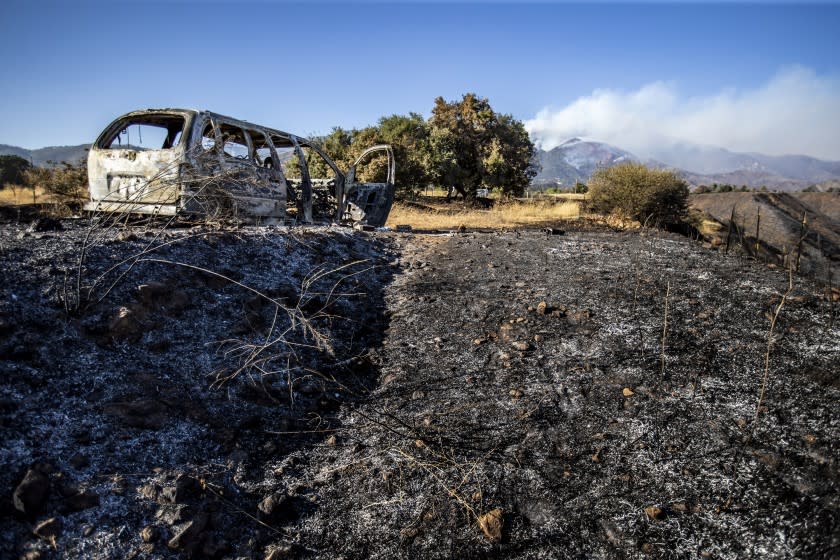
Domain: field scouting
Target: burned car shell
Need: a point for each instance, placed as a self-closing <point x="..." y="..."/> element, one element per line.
<point x="206" y="164"/>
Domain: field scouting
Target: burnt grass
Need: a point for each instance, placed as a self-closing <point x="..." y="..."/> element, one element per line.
<point x="596" y="391"/>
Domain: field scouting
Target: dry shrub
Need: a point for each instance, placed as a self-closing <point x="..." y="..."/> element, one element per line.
<point x="638" y="192"/>
<point x="68" y="181"/>
<point x="502" y="215"/>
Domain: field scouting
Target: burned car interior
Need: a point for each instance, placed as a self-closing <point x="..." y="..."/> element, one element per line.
<point x="198" y="164"/>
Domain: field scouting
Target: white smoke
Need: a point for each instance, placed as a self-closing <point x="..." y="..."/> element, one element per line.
<point x="795" y="112"/>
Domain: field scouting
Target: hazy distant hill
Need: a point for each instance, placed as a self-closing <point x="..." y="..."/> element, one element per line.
<point x="709" y="160"/>
<point x="576" y="159"/>
<point x="42" y="156"/>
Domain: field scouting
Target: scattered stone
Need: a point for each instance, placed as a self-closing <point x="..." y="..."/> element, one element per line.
<point x="506" y="332"/>
<point x="49" y="530"/>
<point x="172" y="514"/>
<point x="332" y="440"/>
<point x="654" y="512"/>
<point x="515" y="393"/>
<point x="627" y="392"/>
<point x="538" y="338"/>
<point x="189" y="536"/>
<point x="125" y="325"/>
<point x="82" y="501"/>
<point x="149" y="491"/>
<point x="491" y="523"/>
<point x="542" y="308"/>
<point x="149" y="534"/>
<point x="275" y="507"/>
<point x="520" y="345"/>
<point x="31" y="494"/>
<point x="184" y="487"/>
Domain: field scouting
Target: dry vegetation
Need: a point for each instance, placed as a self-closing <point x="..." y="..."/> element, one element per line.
<point x="442" y="216"/>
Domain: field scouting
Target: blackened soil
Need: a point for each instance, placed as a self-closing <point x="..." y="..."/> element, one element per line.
<point x="566" y="417"/>
<point x="597" y="388"/>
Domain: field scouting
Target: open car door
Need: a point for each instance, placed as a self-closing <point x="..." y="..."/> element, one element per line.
<point x="369" y="203"/>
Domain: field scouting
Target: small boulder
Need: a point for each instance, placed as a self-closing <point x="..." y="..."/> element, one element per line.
<point x="654" y="512"/>
<point x="48" y="530"/>
<point x="491" y="524"/>
<point x="31" y="494"/>
<point x="125" y="325"/>
<point x="149" y="533"/>
<point x="82" y="501"/>
<point x="189" y="537"/>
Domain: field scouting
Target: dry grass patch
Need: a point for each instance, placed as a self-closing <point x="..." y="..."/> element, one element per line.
<point x="502" y="215"/>
<point x="22" y="195"/>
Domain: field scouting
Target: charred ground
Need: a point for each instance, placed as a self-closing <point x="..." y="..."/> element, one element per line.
<point x="505" y="394"/>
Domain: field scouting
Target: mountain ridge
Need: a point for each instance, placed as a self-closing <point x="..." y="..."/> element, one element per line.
<point x="48" y="156"/>
<point x="575" y="159"/>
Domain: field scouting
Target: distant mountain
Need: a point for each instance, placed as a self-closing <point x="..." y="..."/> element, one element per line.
<point x="576" y="159"/>
<point x="42" y="156"/>
<point x="709" y="160"/>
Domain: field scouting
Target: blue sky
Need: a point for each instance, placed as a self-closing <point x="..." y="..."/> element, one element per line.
<point x="307" y="66"/>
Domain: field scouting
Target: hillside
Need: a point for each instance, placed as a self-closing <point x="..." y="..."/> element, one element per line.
<point x="779" y="219"/>
<point x="43" y="156"/>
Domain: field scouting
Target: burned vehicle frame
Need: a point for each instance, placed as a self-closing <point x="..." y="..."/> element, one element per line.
<point x="202" y="164"/>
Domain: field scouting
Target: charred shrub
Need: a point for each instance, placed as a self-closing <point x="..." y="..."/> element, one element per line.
<point x="640" y="193"/>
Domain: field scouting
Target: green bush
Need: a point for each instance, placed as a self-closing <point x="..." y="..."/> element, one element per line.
<point x="640" y="193"/>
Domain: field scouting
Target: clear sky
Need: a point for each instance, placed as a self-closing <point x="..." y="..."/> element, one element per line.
<point x="71" y="67"/>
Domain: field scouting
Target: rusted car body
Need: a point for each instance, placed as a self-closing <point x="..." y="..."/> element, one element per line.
<point x="198" y="163"/>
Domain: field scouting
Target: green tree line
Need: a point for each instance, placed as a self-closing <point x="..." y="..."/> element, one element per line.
<point x="464" y="145"/>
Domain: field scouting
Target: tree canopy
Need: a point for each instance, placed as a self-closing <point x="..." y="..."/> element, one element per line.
<point x="12" y="170"/>
<point x="473" y="146"/>
<point x="464" y="145"/>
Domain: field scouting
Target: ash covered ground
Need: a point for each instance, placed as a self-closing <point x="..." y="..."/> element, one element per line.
<point x="279" y="393"/>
